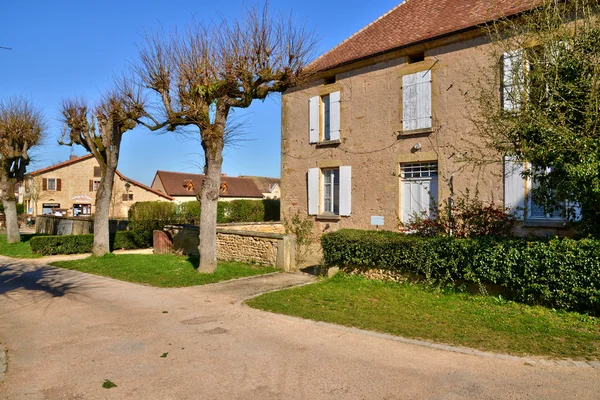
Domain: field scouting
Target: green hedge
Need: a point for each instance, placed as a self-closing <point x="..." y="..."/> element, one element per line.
<point x="78" y="244"/>
<point x="559" y="273"/>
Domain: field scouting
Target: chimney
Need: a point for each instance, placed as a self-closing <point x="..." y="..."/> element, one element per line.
<point x="223" y="174"/>
<point x="72" y="157"/>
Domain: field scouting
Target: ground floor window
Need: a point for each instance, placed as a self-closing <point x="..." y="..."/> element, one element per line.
<point x="418" y="190"/>
<point x="82" y="209"/>
<point x="48" y="208"/>
<point x="331" y="191"/>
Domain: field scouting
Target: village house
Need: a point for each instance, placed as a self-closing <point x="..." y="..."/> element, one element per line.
<point x="270" y="187"/>
<point x="184" y="187"/>
<point x="69" y="189"/>
<point x="380" y="128"/>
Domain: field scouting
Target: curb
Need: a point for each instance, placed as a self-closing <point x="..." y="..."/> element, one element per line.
<point x="3" y="362"/>
<point x="542" y="362"/>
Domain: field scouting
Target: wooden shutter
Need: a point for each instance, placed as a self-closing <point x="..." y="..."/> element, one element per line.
<point x="97" y="172"/>
<point x="514" y="186"/>
<point x="313" y="191"/>
<point x="44" y="184"/>
<point x="91" y="185"/>
<point x="345" y="191"/>
<point x="314" y="112"/>
<point x="334" y="110"/>
<point x="125" y="197"/>
<point x="58" y="185"/>
<point x="416" y="101"/>
<point x="512" y="75"/>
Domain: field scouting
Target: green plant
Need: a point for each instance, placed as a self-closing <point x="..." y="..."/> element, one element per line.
<point x="108" y="384"/>
<point x="79" y="244"/>
<point x="303" y="228"/>
<point x="558" y="273"/>
<point x="148" y="216"/>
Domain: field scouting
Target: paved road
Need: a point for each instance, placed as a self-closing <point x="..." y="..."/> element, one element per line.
<point x="67" y="332"/>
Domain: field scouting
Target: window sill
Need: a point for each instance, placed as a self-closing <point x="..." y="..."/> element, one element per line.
<point x="328" y="217"/>
<point x="544" y="223"/>
<point x="415" y="132"/>
<point x="328" y="143"/>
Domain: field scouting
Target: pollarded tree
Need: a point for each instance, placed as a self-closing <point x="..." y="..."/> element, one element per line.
<point x="100" y="131"/>
<point x="21" y="127"/>
<point x="547" y="113"/>
<point x="201" y="75"/>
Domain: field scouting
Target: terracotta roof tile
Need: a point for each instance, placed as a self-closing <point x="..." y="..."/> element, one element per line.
<point x="414" y="21"/>
<point x="184" y="184"/>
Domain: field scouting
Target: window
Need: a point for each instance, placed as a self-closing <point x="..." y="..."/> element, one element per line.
<point x="330" y="191"/>
<point x="324" y="118"/>
<point x="127" y="196"/>
<point x="416" y="101"/>
<point x="414" y="58"/>
<point x="53" y="184"/>
<point x="97" y="172"/>
<point x="513" y="73"/>
<point x="418" y="190"/>
<point x="96" y="185"/>
<point x="518" y="198"/>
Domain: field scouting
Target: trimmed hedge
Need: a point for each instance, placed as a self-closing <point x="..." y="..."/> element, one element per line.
<point x="559" y="273"/>
<point x="78" y="244"/>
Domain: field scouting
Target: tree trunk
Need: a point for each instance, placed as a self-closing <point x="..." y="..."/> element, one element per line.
<point x="209" y="198"/>
<point x="12" y="222"/>
<point x="102" y="214"/>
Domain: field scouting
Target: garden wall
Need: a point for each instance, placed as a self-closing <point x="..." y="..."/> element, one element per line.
<point x="235" y="242"/>
<point x="52" y="225"/>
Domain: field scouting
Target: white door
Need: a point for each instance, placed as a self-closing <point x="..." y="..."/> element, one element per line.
<point x="419" y="190"/>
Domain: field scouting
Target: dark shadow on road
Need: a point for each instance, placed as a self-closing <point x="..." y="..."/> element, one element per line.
<point x="14" y="276"/>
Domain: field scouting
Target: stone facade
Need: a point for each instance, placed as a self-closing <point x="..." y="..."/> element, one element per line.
<point x="70" y="187"/>
<point x="256" y="249"/>
<point x="372" y="141"/>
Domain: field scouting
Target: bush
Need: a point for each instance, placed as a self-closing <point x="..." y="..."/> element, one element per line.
<point x="147" y="216"/>
<point x="559" y="273"/>
<point x="20" y="208"/>
<point x="79" y="244"/>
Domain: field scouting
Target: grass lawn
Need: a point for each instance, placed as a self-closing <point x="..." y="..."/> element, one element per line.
<point x="160" y="270"/>
<point x="17" y="250"/>
<point x="419" y="312"/>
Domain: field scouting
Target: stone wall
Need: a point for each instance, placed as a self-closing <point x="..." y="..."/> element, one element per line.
<point x="265" y="227"/>
<point x="244" y="245"/>
<point x="52" y="225"/>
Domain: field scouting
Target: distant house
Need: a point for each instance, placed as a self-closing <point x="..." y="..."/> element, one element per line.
<point x="270" y="187"/>
<point x="184" y="187"/>
<point x="69" y="189"/>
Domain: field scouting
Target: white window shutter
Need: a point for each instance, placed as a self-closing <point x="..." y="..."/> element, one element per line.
<point x="313" y="117"/>
<point x="345" y="191"/>
<point x="313" y="191"/>
<point x="334" y="110"/>
<point x="512" y="76"/>
<point x="424" y="100"/>
<point x="514" y="186"/>
<point x="409" y="102"/>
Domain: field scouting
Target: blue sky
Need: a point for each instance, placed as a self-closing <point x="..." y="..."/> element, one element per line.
<point x="69" y="48"/>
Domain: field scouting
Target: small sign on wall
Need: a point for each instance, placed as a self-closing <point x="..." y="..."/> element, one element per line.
<point x="377" y="221"/>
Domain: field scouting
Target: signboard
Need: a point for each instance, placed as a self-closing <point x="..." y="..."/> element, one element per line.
<point x="82" y="198"/>
<point x="377" y="220"/>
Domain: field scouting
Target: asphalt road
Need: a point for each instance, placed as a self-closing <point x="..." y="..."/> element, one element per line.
<point x="67" y="332"/>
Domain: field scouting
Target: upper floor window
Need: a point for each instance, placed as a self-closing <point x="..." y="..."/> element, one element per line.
<point x="324" y="118"/>
<point x="94" y="185"/>
<point x="513" y="75"/>
<point x="53" y="184"/>
<point x="416" y="101"/>
<point x="127" y="196"/>
<point x="97" y="172"/>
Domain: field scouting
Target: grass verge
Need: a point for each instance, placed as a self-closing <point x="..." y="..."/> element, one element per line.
<point x="160" y="270"/>
<point x="17" y="250"/>
<point x="414" y="311"/>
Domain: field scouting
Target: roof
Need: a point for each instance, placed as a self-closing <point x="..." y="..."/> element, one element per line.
<point x="415" y="21"/>
<point x="87" y="157"/>
<point x="264" y="183"/>
<point x="184" y="184"/>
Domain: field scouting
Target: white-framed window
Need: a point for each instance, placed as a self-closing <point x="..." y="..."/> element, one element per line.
<point x="513" y="75"/>
<point x="330" y="191"/>
<point x="416" y="101"/>
<point x="418" y="190"/>
<point x="51" y="184"/>
<point x="96" y="186"/>
<point x="519" y="200"/>
<point x="324" y="118"/>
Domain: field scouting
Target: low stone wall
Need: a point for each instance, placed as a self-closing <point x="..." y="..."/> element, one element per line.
<point x="236" y="245"/>
<point x="265" y="227"/>
<point x="53" y="225"/>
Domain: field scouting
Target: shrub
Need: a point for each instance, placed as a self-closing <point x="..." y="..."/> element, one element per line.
<point x="79" y="244"/>
<point x="147" y="216"/>
<point x="231" y="211"/>
<point x="559" y="273"/>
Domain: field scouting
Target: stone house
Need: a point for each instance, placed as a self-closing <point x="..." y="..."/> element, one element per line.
<point x="184" y="187"/>
<point x="69" y="189"/>
<point x="379" y="129"/>
<point x="270" y="187"/>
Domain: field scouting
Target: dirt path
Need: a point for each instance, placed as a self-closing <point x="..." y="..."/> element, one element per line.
<point x="66" y="332"/>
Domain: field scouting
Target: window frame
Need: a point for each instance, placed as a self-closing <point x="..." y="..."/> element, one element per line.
<point x="414" y="81"/>
<point x="55" y="184"/>
<point x="334" y="191"/>
<point x="427" y="171"/>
